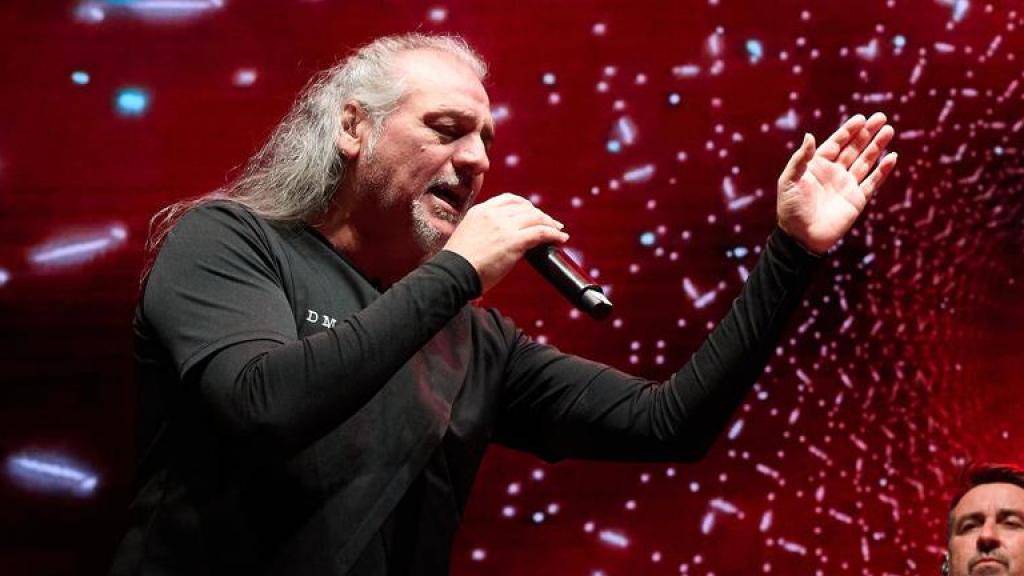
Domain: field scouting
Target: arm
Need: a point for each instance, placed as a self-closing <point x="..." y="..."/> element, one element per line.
<point x="215" y="301"/>
<point x="216" y="304"/>
<point x="560" y="406"/>
<point x="282" y="396"/>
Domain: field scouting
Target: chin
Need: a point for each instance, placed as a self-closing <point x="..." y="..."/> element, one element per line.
<point x="432" y="230"/>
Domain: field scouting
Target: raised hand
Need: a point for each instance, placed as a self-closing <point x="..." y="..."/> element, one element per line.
<point x="495" y="234"/>
<point x="822" y="191"/>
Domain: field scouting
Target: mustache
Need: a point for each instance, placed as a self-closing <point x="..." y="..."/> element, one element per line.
<point x="451" y="180"/>
<point x="997" y="556"/>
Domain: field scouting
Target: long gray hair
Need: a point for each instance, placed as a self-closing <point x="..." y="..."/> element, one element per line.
<point x="293" y="177"/>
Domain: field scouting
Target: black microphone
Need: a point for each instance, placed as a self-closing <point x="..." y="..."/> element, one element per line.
<point x="557" y="268"/>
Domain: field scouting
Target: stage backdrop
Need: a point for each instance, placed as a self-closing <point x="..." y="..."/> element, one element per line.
<point x="655" y="130"/>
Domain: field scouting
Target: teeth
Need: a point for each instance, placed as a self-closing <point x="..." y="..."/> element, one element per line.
<point x="448" y="196"/>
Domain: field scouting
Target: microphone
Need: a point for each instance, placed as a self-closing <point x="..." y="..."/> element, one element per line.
<point x="560" y="270"/>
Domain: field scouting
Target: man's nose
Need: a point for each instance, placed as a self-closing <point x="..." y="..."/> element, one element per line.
<point x="471" y="157"/>
<point x="988" y="537"/>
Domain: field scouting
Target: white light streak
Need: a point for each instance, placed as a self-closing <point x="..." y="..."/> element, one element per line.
<point x="766" y="521"/>
<point x="686" y="71"/>
<point x="793" y="547"/>
<point x="722" y="505"/>
<point x="48" y="473"/>
<point x="244" y="77"/>
<point x="640" y="174"/>
<point x="736" y="428"/>
<point x="613" y="538"/>
<point x="707" y="523"/>
<point x="788" y="121"/>
<point x="77" y="249"/>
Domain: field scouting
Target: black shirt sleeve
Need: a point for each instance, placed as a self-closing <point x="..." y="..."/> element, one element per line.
<point x="561" y="406"/>
<point x="215" y="301"/>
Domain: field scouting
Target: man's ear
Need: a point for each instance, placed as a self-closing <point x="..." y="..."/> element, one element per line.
<point x="355" y="128"/>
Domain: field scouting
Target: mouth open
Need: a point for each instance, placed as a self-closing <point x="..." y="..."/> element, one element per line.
<point x="455" y="197"/>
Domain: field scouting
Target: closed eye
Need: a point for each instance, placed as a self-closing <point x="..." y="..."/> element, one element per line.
<point x="1013" y="520"/>
<point x="967" y="525"/>
<point x="447" y="133"/>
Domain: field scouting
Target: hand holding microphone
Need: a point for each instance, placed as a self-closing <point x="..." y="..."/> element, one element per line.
<point x="495" y="234"/>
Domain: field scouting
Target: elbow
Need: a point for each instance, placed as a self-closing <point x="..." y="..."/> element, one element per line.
<point x="248" y="412"/>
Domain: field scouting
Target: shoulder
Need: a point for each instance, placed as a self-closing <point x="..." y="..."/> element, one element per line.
<point x="217" y="225"/>
<point x="218" y="236"/>
<point x="217" y="216"/>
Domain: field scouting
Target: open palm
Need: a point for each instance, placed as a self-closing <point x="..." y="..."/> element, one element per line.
<point x="822" y="191"/>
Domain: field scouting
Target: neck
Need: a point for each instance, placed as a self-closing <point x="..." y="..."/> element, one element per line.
<point x="379" y="253"/>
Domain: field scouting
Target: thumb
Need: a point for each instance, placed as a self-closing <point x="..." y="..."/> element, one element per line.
<point x="797" y="164"/>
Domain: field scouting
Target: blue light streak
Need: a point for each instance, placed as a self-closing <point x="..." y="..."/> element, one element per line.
<point x="132" y="101"/>
<point x="960" y="9"/>
<point x="755" y="50"/>
<point x="96" y="11"/>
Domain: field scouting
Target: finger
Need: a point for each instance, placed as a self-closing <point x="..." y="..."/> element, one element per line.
<point x="860" y="141"/>
<point x="509" y="207"/>
<point x="877" y="178"/>
<point x="874" y="150"/>
<point x="508" y="198"/>
<point x="830" y="149"/>
<point x="520" y="219"/>
<point x="797" y="164"/>
<point x="538" y="235"/>
<point x="514" y="210"/>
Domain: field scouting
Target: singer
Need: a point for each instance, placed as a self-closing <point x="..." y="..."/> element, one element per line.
<point x="318" y="391"/>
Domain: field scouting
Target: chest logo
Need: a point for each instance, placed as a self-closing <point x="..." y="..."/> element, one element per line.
<point x="314" y="317"/>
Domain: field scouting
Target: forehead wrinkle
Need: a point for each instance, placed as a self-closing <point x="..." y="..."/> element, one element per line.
<point x="423" y="69"/>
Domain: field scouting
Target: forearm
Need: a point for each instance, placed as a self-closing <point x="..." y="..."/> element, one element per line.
<point x="562" y="406"/>
<point x="700" y="399"/>
<point x="284" y="396"/>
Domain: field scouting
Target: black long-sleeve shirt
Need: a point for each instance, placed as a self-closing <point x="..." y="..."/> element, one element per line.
<point x="298" y="420"/>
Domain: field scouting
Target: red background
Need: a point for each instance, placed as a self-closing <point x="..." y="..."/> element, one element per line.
<point x="901" y="365"/>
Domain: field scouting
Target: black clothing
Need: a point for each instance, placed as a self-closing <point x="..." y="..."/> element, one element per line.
<point x="300" y="421"/>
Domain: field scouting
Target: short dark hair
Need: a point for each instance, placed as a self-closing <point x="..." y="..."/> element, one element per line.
<point x="979" y="474"/>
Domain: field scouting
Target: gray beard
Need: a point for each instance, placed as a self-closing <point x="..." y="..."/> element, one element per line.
<point x="429" y="239"/>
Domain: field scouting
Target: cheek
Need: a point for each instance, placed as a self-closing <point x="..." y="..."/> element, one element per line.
<point x="960" y="550"/>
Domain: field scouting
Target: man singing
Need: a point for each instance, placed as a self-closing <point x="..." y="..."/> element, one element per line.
<point x="318" y="391"/>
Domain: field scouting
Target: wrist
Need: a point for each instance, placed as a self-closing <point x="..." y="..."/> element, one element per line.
<point x="797" y="242"/>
